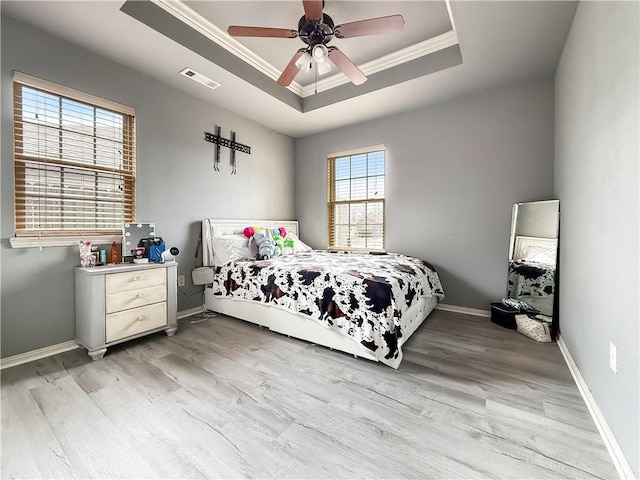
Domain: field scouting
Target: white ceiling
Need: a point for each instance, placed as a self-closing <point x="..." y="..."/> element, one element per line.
<point x="500" y="42"/>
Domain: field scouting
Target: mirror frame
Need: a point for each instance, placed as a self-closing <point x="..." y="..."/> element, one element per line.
<point x="545" y="234"/>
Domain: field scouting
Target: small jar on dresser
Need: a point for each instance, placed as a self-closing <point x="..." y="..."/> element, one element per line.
<point x="116" y="303"/>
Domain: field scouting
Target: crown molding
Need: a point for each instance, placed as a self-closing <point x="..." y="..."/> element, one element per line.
<point x="453" y="24"/>
<point x="199" y="23"/>
<point x="391" y="60"/>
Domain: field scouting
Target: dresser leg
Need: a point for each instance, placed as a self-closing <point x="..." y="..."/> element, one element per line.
<point x="97" y="354"/>
<point x="171" y="331"/>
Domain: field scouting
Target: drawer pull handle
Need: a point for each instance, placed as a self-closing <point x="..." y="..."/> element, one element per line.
<point x="139" y="295"/>
<point x="137" y="277"/>
<point x="140" y="318"/>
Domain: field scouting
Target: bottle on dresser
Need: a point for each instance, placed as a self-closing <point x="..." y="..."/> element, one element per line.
<point x="113" y="257"/>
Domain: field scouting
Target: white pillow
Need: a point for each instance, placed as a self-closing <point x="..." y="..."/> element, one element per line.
<point x="298" y="245"/>
<point x="229" y="248"/>
<point x="539" y="255"/>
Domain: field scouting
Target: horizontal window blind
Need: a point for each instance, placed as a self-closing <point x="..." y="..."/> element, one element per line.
<point x="74" y="158"/>
<point x="356" y="204"/>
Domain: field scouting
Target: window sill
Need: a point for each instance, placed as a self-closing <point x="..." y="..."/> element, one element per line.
<point x="36" y="242"/>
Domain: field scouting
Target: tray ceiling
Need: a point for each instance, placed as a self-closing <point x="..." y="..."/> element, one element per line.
<point x="423" y="21"/>
<point x="201" y="27"/>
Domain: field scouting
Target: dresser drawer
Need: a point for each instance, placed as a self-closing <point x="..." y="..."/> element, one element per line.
<point x="116" y="302"/>
<point x="137" y="320"/>
<point x="127" y="281"/>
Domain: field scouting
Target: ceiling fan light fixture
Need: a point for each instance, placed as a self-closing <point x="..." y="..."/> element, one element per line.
<point x="304" y="62"/>
<point x="320" y="53"/>
<point x="323" y="67"/>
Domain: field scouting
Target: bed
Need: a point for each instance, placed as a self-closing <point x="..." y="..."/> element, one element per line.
<point x="364" y="304"/>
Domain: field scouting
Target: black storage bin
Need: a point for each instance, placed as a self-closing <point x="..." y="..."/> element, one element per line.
<point x="504" y="315"/>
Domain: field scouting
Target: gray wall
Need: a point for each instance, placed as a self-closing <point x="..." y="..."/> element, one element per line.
<point x="176" y="185"/>
<point x="596" y="179"/>
<point x="453" y="173"/>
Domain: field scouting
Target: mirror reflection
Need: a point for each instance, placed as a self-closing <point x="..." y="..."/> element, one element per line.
<point x="533" y="254"/>
<point x="132" y="233"/>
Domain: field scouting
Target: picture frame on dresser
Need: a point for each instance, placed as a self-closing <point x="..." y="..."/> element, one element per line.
<point x="117" y="303"/>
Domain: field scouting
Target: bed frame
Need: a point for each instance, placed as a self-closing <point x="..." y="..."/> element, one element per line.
<point x="284" y="321"/>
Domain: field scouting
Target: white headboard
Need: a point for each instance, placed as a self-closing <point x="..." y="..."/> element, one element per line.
<point x="213" y="227"/>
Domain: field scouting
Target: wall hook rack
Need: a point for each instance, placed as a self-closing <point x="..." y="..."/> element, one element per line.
<point x="217" y="139"/>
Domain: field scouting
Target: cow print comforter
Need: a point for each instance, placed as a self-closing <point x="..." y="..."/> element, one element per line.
<point x="361" y="295"/>
<point x="530" y="280"/>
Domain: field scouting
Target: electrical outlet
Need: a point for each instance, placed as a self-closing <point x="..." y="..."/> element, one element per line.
<point x="613" y="357"/>
<point x="181" y="280"/>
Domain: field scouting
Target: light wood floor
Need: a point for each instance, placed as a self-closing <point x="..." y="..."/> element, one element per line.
<point x="224" y="398"/>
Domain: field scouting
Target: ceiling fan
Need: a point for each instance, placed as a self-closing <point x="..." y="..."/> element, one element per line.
<point x="316" y="29"/>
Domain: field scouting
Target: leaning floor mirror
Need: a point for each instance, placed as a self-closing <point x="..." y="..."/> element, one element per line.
<point x="533" y="257"/>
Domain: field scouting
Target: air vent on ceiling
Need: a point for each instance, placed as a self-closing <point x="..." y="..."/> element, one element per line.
<point x="198" y="77"/>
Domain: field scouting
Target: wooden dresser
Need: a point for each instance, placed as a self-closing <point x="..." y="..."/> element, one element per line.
<point x="116" y="303"/>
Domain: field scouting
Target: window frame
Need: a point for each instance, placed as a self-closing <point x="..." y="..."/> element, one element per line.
<point x="25" y="237"/>
<point x="332" y="202"/>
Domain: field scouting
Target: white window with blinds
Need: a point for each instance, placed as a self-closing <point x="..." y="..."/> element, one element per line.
<point x="74" y="158"/>
<point x="356" y="189"/>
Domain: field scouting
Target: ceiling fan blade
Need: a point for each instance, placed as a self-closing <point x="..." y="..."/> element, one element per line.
<point x="242" y="31"/>
<point x="312" y="9"/>
<point x="291" y="70"/>
<point x="341" y="61"/>
<point x="371" y="26"/>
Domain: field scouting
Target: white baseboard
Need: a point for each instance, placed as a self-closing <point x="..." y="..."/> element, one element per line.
<point x="466" y="310"/>
<point x="37" y="354"/>
<point x="190" y="311"/>
<point x="64" y="346"/>
<point x="619" y="460"/>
